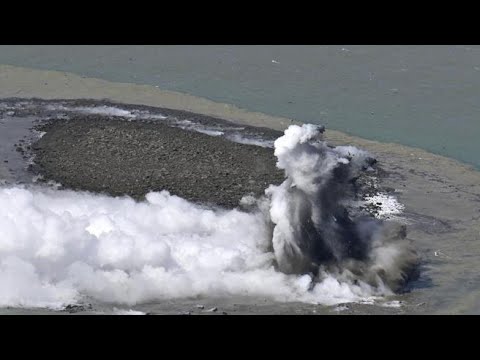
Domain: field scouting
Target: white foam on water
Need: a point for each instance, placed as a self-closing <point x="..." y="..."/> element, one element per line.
<point x="105" y="110"/>
<point x="191" y="126"/>
<point x="153" y="116"/>
<point x="97" y="110"/>
<point x="250" y="141"/>
<point x="209" y="132"/>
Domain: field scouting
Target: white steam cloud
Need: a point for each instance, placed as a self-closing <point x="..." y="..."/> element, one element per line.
<point x="61" y="247"/>
<point x="64" y="247"/>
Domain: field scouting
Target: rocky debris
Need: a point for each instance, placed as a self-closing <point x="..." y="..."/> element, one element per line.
<point x="72" y="309"/>
<point x="118" y="157"/>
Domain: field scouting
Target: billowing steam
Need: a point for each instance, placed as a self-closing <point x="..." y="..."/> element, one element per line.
<point x="60" y="247"/>
<point x="314" y="232"/>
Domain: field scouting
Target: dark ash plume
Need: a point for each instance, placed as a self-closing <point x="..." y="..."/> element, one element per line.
<point x="313" y="230"/>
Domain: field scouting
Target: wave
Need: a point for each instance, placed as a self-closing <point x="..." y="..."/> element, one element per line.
<point x="63" y="109"/>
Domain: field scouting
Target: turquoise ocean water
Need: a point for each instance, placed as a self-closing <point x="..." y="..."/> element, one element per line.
<point x="423" y="96"/>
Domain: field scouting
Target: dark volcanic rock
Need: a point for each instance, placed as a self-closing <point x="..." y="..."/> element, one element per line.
<point x="119" y="157"/>
<point x="72" y="309"/>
